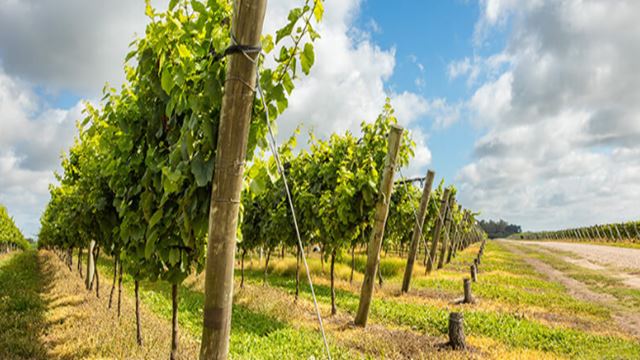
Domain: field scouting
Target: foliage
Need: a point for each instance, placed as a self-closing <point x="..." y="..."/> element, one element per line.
<point x="499" y="229"/>
<point x="10" y="235"/>
<point x="139" y="177"/>
<point x="628" y="232"/>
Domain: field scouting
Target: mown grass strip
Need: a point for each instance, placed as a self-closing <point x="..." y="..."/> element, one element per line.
<point x="21" y="307"/>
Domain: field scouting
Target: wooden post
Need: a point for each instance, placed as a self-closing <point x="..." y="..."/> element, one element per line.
<point x="91" y="266"/>
<point x="233" y="132"/>
<point x="417" y="230"/>
<point x="474" y="273"/>
<point x="174" y="322"/>
<point x="468" y="298"/>
<point x="435" y="236"/>
<point x="138" y="319"/>
<point x="447" y="232"/>
<point x="380" y="219"/>
<point x="456" y="331"/>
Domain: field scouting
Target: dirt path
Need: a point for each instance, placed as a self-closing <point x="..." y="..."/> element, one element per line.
<point x="577" y="289"/>
<point x="623" y="258"/>
<point x="621" y="263"/>
<point x="627" y="320"/>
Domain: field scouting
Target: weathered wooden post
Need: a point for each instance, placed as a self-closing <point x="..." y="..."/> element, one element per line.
<point x="417" y="230"/>
<point x="437" y="229"/>
<point x="468" y="297"/>
<point x="447" y="232"/>
<point x="474" y="273"/>
<point x="456" y="331"/>
<point x="380" y="219"/>
<point x="91" y="266"/>
<point x="233" y="132"/>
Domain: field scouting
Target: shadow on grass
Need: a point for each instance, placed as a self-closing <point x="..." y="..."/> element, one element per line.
<point x="22" y="308"/>
<point x="192" y="303"/>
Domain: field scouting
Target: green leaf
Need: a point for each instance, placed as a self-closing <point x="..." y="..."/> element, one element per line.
<point x="150" y="245"/>
<point x="198" y="7"/>
<point x="166" y="81"/>
<point x="172" y="4"/>
<point x="267" y="43"/>
<point x="318" y="10"/>
<point x="307" y="58"/>
<point x="284" y="32"/>
<point x="201" y="170"/>
<point x="287" y="83"/>
<point x="157" y="216"/>
<point x="148" y="10"/>
<point x="174" y="256"/>
<point x="184" y="52"/>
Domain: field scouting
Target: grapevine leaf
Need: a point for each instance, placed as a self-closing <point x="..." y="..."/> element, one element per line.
<point x="167" y="80"/>
<point x="307" y="58"/>
<point x="318" y="10"/>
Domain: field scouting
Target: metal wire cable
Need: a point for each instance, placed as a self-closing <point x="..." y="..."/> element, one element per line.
<point x="274" y="149"/>
<point x="415" y="215"/>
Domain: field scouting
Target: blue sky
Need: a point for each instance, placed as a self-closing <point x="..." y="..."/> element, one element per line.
<point x="427" y="37"/>
<point x="513" y="101"/>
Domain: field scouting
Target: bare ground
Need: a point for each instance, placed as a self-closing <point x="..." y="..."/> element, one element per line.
<point x="618" y="257"/>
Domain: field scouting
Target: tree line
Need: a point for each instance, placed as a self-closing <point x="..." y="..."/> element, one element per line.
<point x="499" y="229"/>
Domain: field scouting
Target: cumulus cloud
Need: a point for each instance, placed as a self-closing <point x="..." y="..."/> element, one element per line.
<point x="347" y="82"/>
<point x="73" y="44"/>
<point x="32" y="138"/>
<point x="563" y="119"/>
<point x="76" y="46"/>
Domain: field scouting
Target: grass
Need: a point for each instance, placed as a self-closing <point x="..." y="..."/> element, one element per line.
<point x="597" y="280"/>
<point x="253" y="334"/>
<point x="21" y="307"/>
<point x="519" y="314"/>
<point x="508" y="280"/>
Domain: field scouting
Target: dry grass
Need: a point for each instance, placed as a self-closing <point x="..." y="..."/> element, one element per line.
<point x="80" y="326"/>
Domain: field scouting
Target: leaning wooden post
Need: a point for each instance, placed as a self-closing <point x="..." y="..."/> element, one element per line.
<point x="233" y="132"/>
<point x="417" y="230"/>
<point x="447" y="232"/>
<point x="382" y="210"/>
<point x="456" y="331"/>
<point x="437" y="229"/>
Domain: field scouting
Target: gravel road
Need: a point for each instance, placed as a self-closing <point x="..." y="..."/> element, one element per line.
<point x="618" y="257"/>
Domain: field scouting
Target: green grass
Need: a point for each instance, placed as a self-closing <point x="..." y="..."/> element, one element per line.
<point x="597" y="280"/>
<point x="521" y="286"/>
<point x="253" y="335"/>
<point x="21" y="307"/>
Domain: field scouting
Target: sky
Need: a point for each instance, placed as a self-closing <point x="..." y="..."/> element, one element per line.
<point x="530" y="107"/>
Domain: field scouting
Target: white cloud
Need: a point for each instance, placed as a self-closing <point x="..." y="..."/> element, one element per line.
<point x="78" y="45"/>
<point x="563" y="117"/>
<point x="347" y="83"/>
<point x="32" y="138"/>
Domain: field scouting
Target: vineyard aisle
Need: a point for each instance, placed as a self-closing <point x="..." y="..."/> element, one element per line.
<point x="46" y="313"/>
<point x="606" y="275"/>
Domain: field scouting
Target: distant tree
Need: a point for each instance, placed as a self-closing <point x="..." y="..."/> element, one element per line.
<point x="499" y="229"/>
